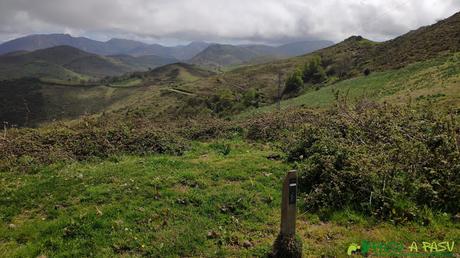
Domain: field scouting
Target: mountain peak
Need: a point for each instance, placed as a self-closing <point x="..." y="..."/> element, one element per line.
<point x="354" y="38"/>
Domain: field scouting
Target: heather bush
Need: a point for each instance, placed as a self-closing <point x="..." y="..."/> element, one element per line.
<point x="24" y="149"/>
<point x="383" y="160"/>
<point x="277" y="126"/>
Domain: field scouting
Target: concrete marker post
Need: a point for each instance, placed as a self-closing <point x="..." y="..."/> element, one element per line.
<point x="287" y="244"/>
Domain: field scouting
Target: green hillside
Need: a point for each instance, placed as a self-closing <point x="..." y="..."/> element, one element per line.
<point x="143" y="63"/>
<point x="97" y="66"/>
<point x="179" y="72"/>
<point x="39" y="69"/>
<point x="71" y="65"/>
<point x="64" y="63"/>
<point x="436" y="80"/>
<point x="225" y="55"/>
<point x="170" y="76"/>
<point x="29" y="102"/>
<point x="348" y="59"/>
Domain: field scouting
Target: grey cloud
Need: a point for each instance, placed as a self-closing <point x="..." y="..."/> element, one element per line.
<point x="270" y="21"/>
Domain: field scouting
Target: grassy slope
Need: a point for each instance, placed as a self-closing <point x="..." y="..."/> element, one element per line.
<point x="158" y="91"/>
<point x="200" y="204"/>
<point x="39" y="69"/>
<point x="217" y="56"/>
<point x="70" y="65"/>
<point x="70" y="100"/>
<point x="437" y="79"/>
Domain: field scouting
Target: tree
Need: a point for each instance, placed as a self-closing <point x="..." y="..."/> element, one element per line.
<point x="294" y="82"/>
<point x="222" y="101"/>
<point x="367" y="71"/>
<point x="313" y="71"/>
<point x="252" y="97"/>
<point x="310" y="68"/>
<point x="319" y="76"/>
<point x="343" y="66"/>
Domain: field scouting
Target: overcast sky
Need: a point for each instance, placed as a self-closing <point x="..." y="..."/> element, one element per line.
<point x="180" y="21"/>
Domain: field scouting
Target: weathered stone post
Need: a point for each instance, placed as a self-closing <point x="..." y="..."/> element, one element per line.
<point x="287" y="244"/>
<point x="288" y="204"/>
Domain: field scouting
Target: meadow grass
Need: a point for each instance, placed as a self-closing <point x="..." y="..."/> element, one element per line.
<point x="221" y="198"/>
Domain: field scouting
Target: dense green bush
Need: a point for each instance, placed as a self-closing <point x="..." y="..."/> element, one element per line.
<point x="294" y="83"/>
<point x="276" y="126"/>
<point x="252" y="98"/>
<point x="367" y="72"/>
<point x="222" y="102"/>
<point x="24" y="149"/>
<point x="387" y="161"/>
<point x="313" y="71"/>
<point x="207" y="128"/>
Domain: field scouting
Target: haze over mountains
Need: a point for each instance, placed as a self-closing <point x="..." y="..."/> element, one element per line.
<point x="226" y="55"/>
<point x="111" y="47"/>
<point x="201" y="53"/>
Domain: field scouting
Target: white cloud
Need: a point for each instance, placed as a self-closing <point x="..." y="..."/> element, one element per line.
<point x="222" y="20"/>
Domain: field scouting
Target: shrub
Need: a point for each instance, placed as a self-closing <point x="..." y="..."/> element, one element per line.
<point x="25" y="149"/>
<point x="313" y="71"/>
<point x="221" y="148"/>
<point x="222" y="103"/>
<point x="208" y="128"/>
<point x="252" y="98"/>
<point x="294" y="83"/>
<point x="367" y="72"/>
<point x="277" y="126"/>
<point x="382" y="160"/>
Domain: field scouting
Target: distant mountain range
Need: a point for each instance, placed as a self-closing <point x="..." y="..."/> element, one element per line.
<point x="72" y="64"/>
<point x="217" y="55"/>
<point x="195" y="52"/>
<point x="111" y="47"/>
